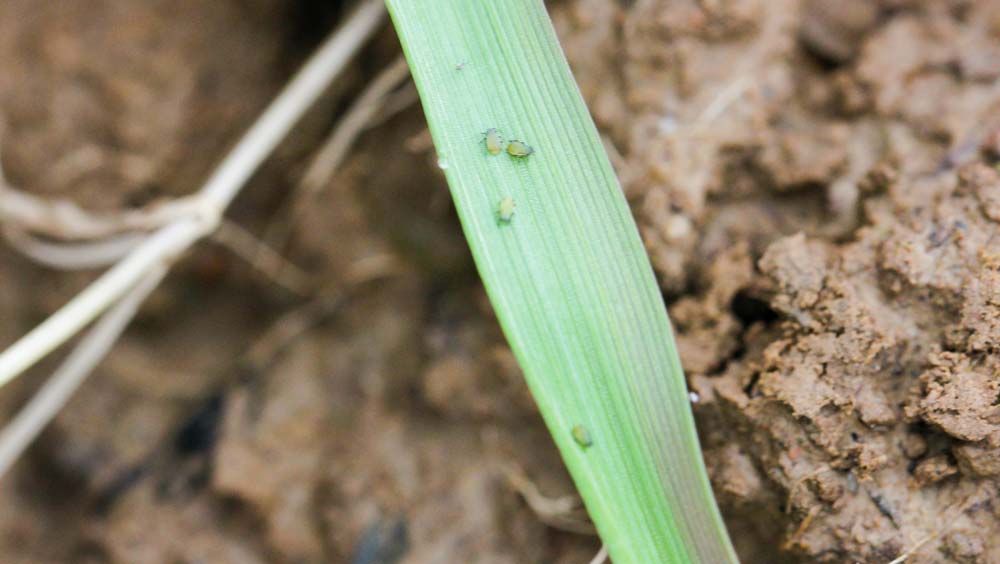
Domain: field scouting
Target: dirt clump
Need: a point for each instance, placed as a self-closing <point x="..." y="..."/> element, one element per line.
<point x="822" y="207"/>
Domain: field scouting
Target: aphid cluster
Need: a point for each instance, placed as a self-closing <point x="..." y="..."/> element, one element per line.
<point x="495" y="145"/>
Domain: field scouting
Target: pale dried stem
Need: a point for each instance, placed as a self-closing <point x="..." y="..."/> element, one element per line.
<point x="64" y="220"/>
<point x="73" y="256"/>
<point x="262" y="257"/>
<point x="395" y="103"/>
<point x="948" y="522"/>
<point x="295" y="323"/>
<point x="601" y="557"/>
<point x="356" y="120"/>
<point x="564" y="512"/>
<point x="160" y="248"/>
<point x="336" y="147"/>
<point x="53" y="395"/>
<point x="171" y="240"/>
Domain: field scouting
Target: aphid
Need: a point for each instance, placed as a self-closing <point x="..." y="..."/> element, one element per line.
<point x="519" y="149"/>
<point x="582" y="436"/>
<point x="460" y="66"/>
<point x="506" y="209"/>
<point x="493" y="140"/>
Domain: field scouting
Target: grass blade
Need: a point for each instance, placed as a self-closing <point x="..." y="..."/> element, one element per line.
<point x="566" y="272"/>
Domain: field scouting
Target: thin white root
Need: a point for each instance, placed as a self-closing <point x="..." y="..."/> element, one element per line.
<point x="335" y="148"/>
<point x="290" y="327"/>
<point x="61" y="219"/>
<point x="802" y="528"/>
<point x="915" y="548"/>
<point x="565" y="512"/>
<point x="721" y="103"/>
<point x="64" y="220"/>
<point x="73" y="256"/>
<point x="293" y="324"/>
<point x="54" y="394"/>
<point x="602" y="555"/>
<point x="948" y="522"/>
<point x="372" y="267"/>
<point x="300" y="94"/>
<point x="266" y="260"/>
<point x="169" y="242"/>
<point x="91" y="302"/>
<point x="395" y="103"/>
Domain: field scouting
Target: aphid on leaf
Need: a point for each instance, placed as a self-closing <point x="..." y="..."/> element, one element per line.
<point x="494" y="141"/>
<point x="506" y="209"/>
<point x="582" y="436"/>
<point x="519" y="149"/>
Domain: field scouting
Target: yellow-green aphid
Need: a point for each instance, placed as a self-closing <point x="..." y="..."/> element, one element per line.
<point x="582" y="436"/>
<point x="519" y="149"/>
<point x="493" y="140"/>
<point x="506" y="209"/>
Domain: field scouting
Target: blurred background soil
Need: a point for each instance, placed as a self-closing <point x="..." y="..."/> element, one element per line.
<point x="817" y="186"/>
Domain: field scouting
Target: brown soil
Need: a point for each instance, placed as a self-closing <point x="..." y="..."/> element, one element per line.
<point x="819" y="193"/>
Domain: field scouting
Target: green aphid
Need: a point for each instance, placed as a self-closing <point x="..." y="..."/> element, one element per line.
<point x="519" y="149"/>
<point x="494" y="141"/>
<point x="582" y="436"/>
<point x="506" y="209"/>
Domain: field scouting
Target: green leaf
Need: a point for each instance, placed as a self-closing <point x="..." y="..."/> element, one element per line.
<point x="566" y="271"/>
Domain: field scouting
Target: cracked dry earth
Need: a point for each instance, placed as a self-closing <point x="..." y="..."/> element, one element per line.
<point x="818" y="190"/>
